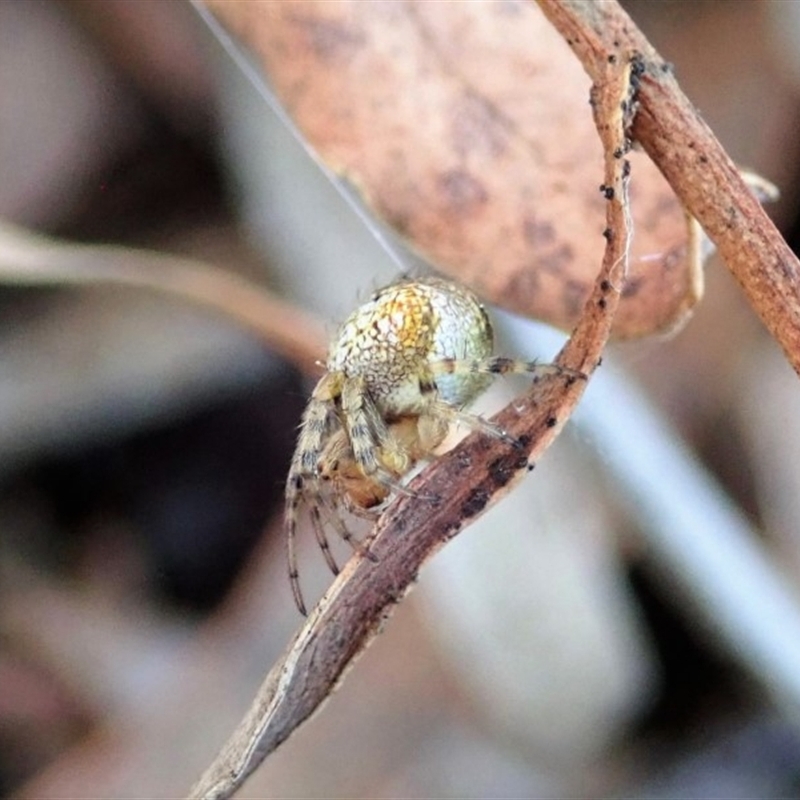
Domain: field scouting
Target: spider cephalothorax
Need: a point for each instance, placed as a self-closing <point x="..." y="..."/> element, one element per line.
<point x="399" y="371"/>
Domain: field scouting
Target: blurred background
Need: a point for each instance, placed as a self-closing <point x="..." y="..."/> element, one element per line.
<point x="571" y="643"/>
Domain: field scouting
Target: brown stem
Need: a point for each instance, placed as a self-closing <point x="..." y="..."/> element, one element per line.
<point x="28" y="259"/>
<point x="695" y="164"/>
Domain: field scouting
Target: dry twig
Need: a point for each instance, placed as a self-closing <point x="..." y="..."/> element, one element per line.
<point x="700" y="172"/>
<point x="28" y="259"/>
<point x="464" y="483"/>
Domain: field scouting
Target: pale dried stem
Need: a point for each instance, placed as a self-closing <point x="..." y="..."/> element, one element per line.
<point x="28" y="259"/>
<point x="465" y="483"/>
<point x="700" y="172"/>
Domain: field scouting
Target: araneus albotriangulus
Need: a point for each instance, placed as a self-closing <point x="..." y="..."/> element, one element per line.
<point x="399" y="371"/>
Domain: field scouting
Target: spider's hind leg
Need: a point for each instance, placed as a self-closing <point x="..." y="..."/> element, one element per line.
<point x="303" y="476"/>
<point x="333" y="517"/>
<point x="318" y="525"/>
<point x="294" y="496"/>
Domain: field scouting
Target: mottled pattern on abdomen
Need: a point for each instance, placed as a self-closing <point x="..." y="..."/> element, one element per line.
<point x="390" y="340"/>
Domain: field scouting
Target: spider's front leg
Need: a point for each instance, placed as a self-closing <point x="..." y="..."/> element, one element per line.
<point x="491" y="367"/>
<point x="500" y="365"/>
<point x="370" y="438"/>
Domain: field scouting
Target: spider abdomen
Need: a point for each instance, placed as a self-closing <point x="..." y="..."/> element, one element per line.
<point x="393" y="340"/>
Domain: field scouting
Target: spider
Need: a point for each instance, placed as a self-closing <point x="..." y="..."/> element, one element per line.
<point x="399" y="372"/>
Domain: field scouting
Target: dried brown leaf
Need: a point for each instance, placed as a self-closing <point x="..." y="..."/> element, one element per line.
<point x="467" y="127"/>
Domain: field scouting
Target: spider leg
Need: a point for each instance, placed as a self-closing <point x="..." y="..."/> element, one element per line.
<point x="361" y="418"/>
<point x="294" y="495"/>
<point x="491" y="366"/>
<point x="303" y="471"/>
<point x="344" y="534"/>
<point x="500" y="365"/>
<point x="319" y="532"/>
<point x="474" y="422"/>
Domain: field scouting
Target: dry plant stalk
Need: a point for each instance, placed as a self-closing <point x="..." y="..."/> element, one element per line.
<point x="28" y="259"/>
<point x="700" y="172"/>
<point x="464" y="483"/>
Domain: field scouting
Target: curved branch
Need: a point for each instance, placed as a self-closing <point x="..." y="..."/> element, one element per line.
<point x="28" y="259"/>
<point x="700" y="172"/>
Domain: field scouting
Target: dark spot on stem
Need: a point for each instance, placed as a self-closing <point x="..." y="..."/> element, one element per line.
<point x="502" y="469"/>
<point x="475" y="503"/>
<point x="450" y="530"/>
<point x="464" y="460"/>
<point x="435" y="500"/>
<point x="499" y="472"/>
